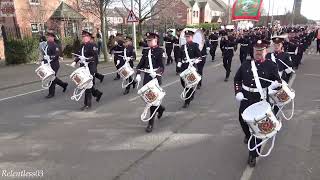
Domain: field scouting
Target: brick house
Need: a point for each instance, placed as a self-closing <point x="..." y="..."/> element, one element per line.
<point x="34" y="16"/>
<point x="206" y="11"/>
<point x="190" y="12"/>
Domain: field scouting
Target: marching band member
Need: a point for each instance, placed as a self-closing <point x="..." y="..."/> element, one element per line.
<point x="247" y="91"/>
<point x="118" y="52"/>
<point x="132" y="55"/>
<point x="193" y="52"/>
<point x="244" y="42"/>
<point x="282" y="59"/>
<point x="176" y="48"/>
<point x="97" y="75"/>
<point x="228" y="46"/>
<point x="157" y="59"/>
<point x="168" y="41"/>
<point x="292" y="48"/>
<point x="91" y="52"/>
<point x="201" y="64"/>
<point x="52" y="55"/>
<point x="213" y="40"/>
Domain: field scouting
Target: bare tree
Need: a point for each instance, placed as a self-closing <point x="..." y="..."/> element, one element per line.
<point x="146" y="8"/>
<point x="99" y="8"/>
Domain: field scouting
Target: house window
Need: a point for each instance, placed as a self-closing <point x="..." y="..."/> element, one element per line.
<point x="179" y="15"/>
<point x="88" y="26"/>
<point x="194" y="13"/>
<point x="197" y="14"/>
<point x="34" y="2"/>
<point x="36" y="27"/>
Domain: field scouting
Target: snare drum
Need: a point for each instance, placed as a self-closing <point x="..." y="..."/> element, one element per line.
<point x="284" y="96"/>
<point x="152" y="93"/>
<point x="125" y="71"/>
<point x="45" y="72"/>
<point x="191" y="77"/>
<point x="261" y="120"/>
<point x="82" y="78"/>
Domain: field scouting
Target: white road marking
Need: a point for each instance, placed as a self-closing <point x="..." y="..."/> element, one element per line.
<point x="169" y="84"/>
<point x="315" y="75"/>
<point x="19" y="95"/>
<point x="39" y="90"/>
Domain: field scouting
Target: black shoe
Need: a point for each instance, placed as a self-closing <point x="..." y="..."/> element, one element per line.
<point x="84" y="108"/>
<point x="226" y="80"/>
<point x="149" y="128"/>
<point x="134" y="85"/>
<point x="116" y="78"/>
<point x="252" y="161"/>
<point x="65" y="87"/>
<point x="126" y="91"/>
<point x="160" y="112"/>
<point x="199" y="87"/>
<point x="99" y="96"/>
<point x="212" y="60"/>
<point x="245" y="140"/>
<point x="185" y="105"/>
<point x="50" y="96"/>
<point x="101" y="80"/>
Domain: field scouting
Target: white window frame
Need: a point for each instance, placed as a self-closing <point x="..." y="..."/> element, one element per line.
<point x="34" y="3"/>
<point x="40" y="27"/>
<point x="89" y="26"/>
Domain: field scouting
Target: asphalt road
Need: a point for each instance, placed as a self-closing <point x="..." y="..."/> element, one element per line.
<point x="109" y="143"/>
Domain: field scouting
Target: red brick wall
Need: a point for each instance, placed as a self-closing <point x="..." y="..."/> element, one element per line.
<point x="174" y="10"/>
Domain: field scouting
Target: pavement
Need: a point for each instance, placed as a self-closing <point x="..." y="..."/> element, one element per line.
<point x="108" y="142"/>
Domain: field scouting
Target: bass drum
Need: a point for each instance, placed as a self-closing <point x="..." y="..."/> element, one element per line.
<point x="199" y="38"/>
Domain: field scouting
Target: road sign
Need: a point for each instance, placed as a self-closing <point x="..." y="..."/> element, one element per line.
<point x="132" y="17"/>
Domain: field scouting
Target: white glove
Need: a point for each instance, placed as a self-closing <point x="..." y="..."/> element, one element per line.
<point x="138" y="78"/>
<point x="197" y="61"/>
<point x="118" y="62"/>
<point x="46" y="57"/>
<point x="289" y="70"/>
<point x="240" y="97"/>
<point x="271" y="91"/>
<point x="179" y="64"/>
<point x="208" y="48"/>
<point x="274" y="85"/>
<point x="42" y="63"/>
<point x="73" y="64"/>
<point x="153" y="74"/>
<point x="115" y="43"/>
<point x="82" y="59"/>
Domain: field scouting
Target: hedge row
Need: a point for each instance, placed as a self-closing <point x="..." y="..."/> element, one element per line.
<point x="206" y="26"/>
<point x="19" y="51"/>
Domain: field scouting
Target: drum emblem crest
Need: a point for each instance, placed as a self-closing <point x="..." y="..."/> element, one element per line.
<point x="151" y="95"/>
<point x="282" y="96"/>
<point x="191" y="77"/>
<point x="266" y="126"/>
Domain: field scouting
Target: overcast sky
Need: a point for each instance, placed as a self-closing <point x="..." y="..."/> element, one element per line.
<point x="310" y="8"/>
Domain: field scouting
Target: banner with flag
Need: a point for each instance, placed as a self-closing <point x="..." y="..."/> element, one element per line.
<point x="244" y="10"/>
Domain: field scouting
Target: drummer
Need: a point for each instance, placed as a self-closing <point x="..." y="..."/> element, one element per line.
<point x="246" y="90"/>
<point x="193" y="52"/>
<point x="129" y="49"/>
<point x="285" y="67"/>
<point x="157" y="58"/>
<point x="53" y="53"/>
<point x="90" y="51"/>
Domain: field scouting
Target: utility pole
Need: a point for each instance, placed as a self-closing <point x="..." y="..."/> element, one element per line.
<point x="134" y="31"/>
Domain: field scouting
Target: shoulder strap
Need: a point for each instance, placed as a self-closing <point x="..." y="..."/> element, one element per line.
<point x="186" y="52"/>
<point x="150" y="60"/>
<point x="257" y="80"/>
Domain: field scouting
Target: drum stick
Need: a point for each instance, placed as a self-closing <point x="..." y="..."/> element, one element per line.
<point x="266" y="79"/>
<point x="286" y="65"/>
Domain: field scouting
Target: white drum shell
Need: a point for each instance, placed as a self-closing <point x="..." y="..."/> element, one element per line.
<point x="285" y="91"/>
<point x="82" y="78"/>
<point x="45" y="72"/>
<point x="125" y="71"/>
<point x="152" y="93"/>
<point x="261" y="120"/>
<point x="191" y="77"/>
